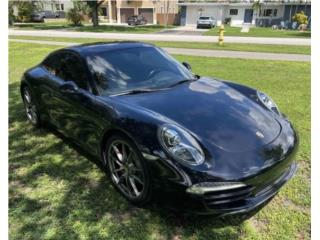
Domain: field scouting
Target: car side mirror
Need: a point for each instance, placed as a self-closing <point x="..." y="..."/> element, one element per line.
<point x="187" y="65"/>
<point x="69" y="87"/>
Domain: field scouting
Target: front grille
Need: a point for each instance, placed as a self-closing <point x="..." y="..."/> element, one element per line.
<point x="266" y="188"/>
<point x="239" y="197"/>
<point x="227" y="198"/>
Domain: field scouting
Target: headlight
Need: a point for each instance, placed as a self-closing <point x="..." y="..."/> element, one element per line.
<point x="268" y="102"/>
<point x="180" y="144"/>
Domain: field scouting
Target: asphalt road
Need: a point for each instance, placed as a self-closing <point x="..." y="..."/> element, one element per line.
<point x="159" y="37"/>
<point x="202" y="52"/>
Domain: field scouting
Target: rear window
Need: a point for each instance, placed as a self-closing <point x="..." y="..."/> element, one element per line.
<point x="204" y="18"/>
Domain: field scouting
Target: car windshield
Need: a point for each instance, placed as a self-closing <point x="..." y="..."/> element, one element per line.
<point x="204" y="18"/>
<point x="122" y="70"/>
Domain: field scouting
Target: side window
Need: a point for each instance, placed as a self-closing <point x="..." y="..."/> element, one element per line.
<point x="52" y="63"/>
<point x="72" y="69"/>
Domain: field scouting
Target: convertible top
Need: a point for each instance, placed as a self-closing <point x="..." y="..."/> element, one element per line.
<point x="89" y="48"/>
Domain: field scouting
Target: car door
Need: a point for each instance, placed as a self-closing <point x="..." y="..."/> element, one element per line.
<point x="73" y="111"/>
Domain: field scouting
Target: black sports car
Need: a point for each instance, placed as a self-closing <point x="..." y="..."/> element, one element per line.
<point x="201" y="144"/>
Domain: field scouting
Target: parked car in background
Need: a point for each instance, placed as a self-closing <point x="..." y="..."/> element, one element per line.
<point x="40" y="16"/>
<point x="137" y="20"/>
<point x="209" y="22"/>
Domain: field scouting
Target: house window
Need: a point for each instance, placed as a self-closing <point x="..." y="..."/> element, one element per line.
<point x="233" y="12"/>
<point x="267" y="12"/>
<point x="62" y="7"/>
<point x="275" y="11"/>
<point x="161" y="9"/>
<point x="104" y="11"/>
<point x="58" y="7"/>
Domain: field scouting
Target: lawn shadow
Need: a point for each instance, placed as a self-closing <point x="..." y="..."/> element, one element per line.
<point x="301" y="34"/>
<point x="43" y="26"/>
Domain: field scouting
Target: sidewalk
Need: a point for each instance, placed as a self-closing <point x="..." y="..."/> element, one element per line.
<point x="202" y="52"/>
<point x="160" y="37"/>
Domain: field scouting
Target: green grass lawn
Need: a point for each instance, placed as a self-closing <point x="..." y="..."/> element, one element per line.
<point x="259" y="32"/>
<point x="57" y="192"/>
<point x="212" y="46"/>
<point x="90" y="28"/>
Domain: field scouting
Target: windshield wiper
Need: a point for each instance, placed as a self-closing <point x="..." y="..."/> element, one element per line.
<point x="183" y="81"/>
<point x="138" y="90"/>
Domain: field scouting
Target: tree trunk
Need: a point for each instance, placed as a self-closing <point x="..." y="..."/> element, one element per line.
<point x="95" y="20"/>
<point x="167" y="14"/>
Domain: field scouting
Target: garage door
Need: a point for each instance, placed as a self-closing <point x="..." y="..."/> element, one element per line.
<point x="147" y="13"/>
<point x="125" y="13"/>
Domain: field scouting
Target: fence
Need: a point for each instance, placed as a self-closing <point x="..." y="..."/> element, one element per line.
<point x="172" y="18"/>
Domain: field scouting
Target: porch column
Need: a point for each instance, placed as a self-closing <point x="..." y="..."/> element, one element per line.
<point x="154" y="15"/>
<point x="254" y="17"/>
<point x="118" y="14"/>
<point x="110" y="11"/>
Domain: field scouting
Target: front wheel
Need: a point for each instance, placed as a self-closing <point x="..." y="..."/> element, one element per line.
<point x="127" y="169"/>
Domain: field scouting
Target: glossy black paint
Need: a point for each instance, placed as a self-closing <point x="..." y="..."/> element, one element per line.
<point x="222" y="116"/>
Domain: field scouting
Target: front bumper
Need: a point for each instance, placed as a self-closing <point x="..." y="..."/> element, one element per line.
<point x="204" y="25"/>
<point x="244" y="199"/>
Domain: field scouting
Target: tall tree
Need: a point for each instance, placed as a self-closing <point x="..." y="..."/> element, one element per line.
<point x="94" y="6"/>
<point x="257" y="5"/>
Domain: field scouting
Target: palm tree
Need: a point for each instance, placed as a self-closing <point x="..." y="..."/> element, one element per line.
<point x="257" y="5"/>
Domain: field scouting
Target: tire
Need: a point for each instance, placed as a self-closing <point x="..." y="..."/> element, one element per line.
<point x="30" y="107"/>
<point x="127" y="169"/>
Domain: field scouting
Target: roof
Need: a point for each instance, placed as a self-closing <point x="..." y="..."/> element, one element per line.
<point x="89" y="48"/>
<point x="240" y="2"/>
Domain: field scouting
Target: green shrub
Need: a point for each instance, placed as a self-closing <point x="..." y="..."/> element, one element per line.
<point x="75" y="16"/>
<point x="11" y="16"/>
<point x="25" y="10"/>
<point x="300" y="18"/>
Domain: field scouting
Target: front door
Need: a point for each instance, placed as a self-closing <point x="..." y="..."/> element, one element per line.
<point x="74" y="113"/>
<point x="248" y="14"/>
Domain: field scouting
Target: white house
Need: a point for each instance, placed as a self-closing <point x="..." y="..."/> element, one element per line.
<point x="240" y="12"/>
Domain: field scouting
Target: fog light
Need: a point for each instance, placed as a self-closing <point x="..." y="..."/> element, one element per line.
<point x="202" y="188"/>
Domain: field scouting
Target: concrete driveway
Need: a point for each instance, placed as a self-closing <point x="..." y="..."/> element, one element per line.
<point x="184" y="30"/>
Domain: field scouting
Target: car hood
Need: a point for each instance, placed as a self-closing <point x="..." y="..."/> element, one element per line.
<point x="215" y="113"/>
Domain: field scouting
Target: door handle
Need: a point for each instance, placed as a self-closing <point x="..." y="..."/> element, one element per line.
<point x="69" y="87"/>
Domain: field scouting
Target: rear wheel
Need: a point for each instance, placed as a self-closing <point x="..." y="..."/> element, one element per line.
<point x="127" y="169"/>
<point x="30" y="107"/>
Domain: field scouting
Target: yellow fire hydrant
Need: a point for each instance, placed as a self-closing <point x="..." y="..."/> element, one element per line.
<point x="221" y="32"/>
